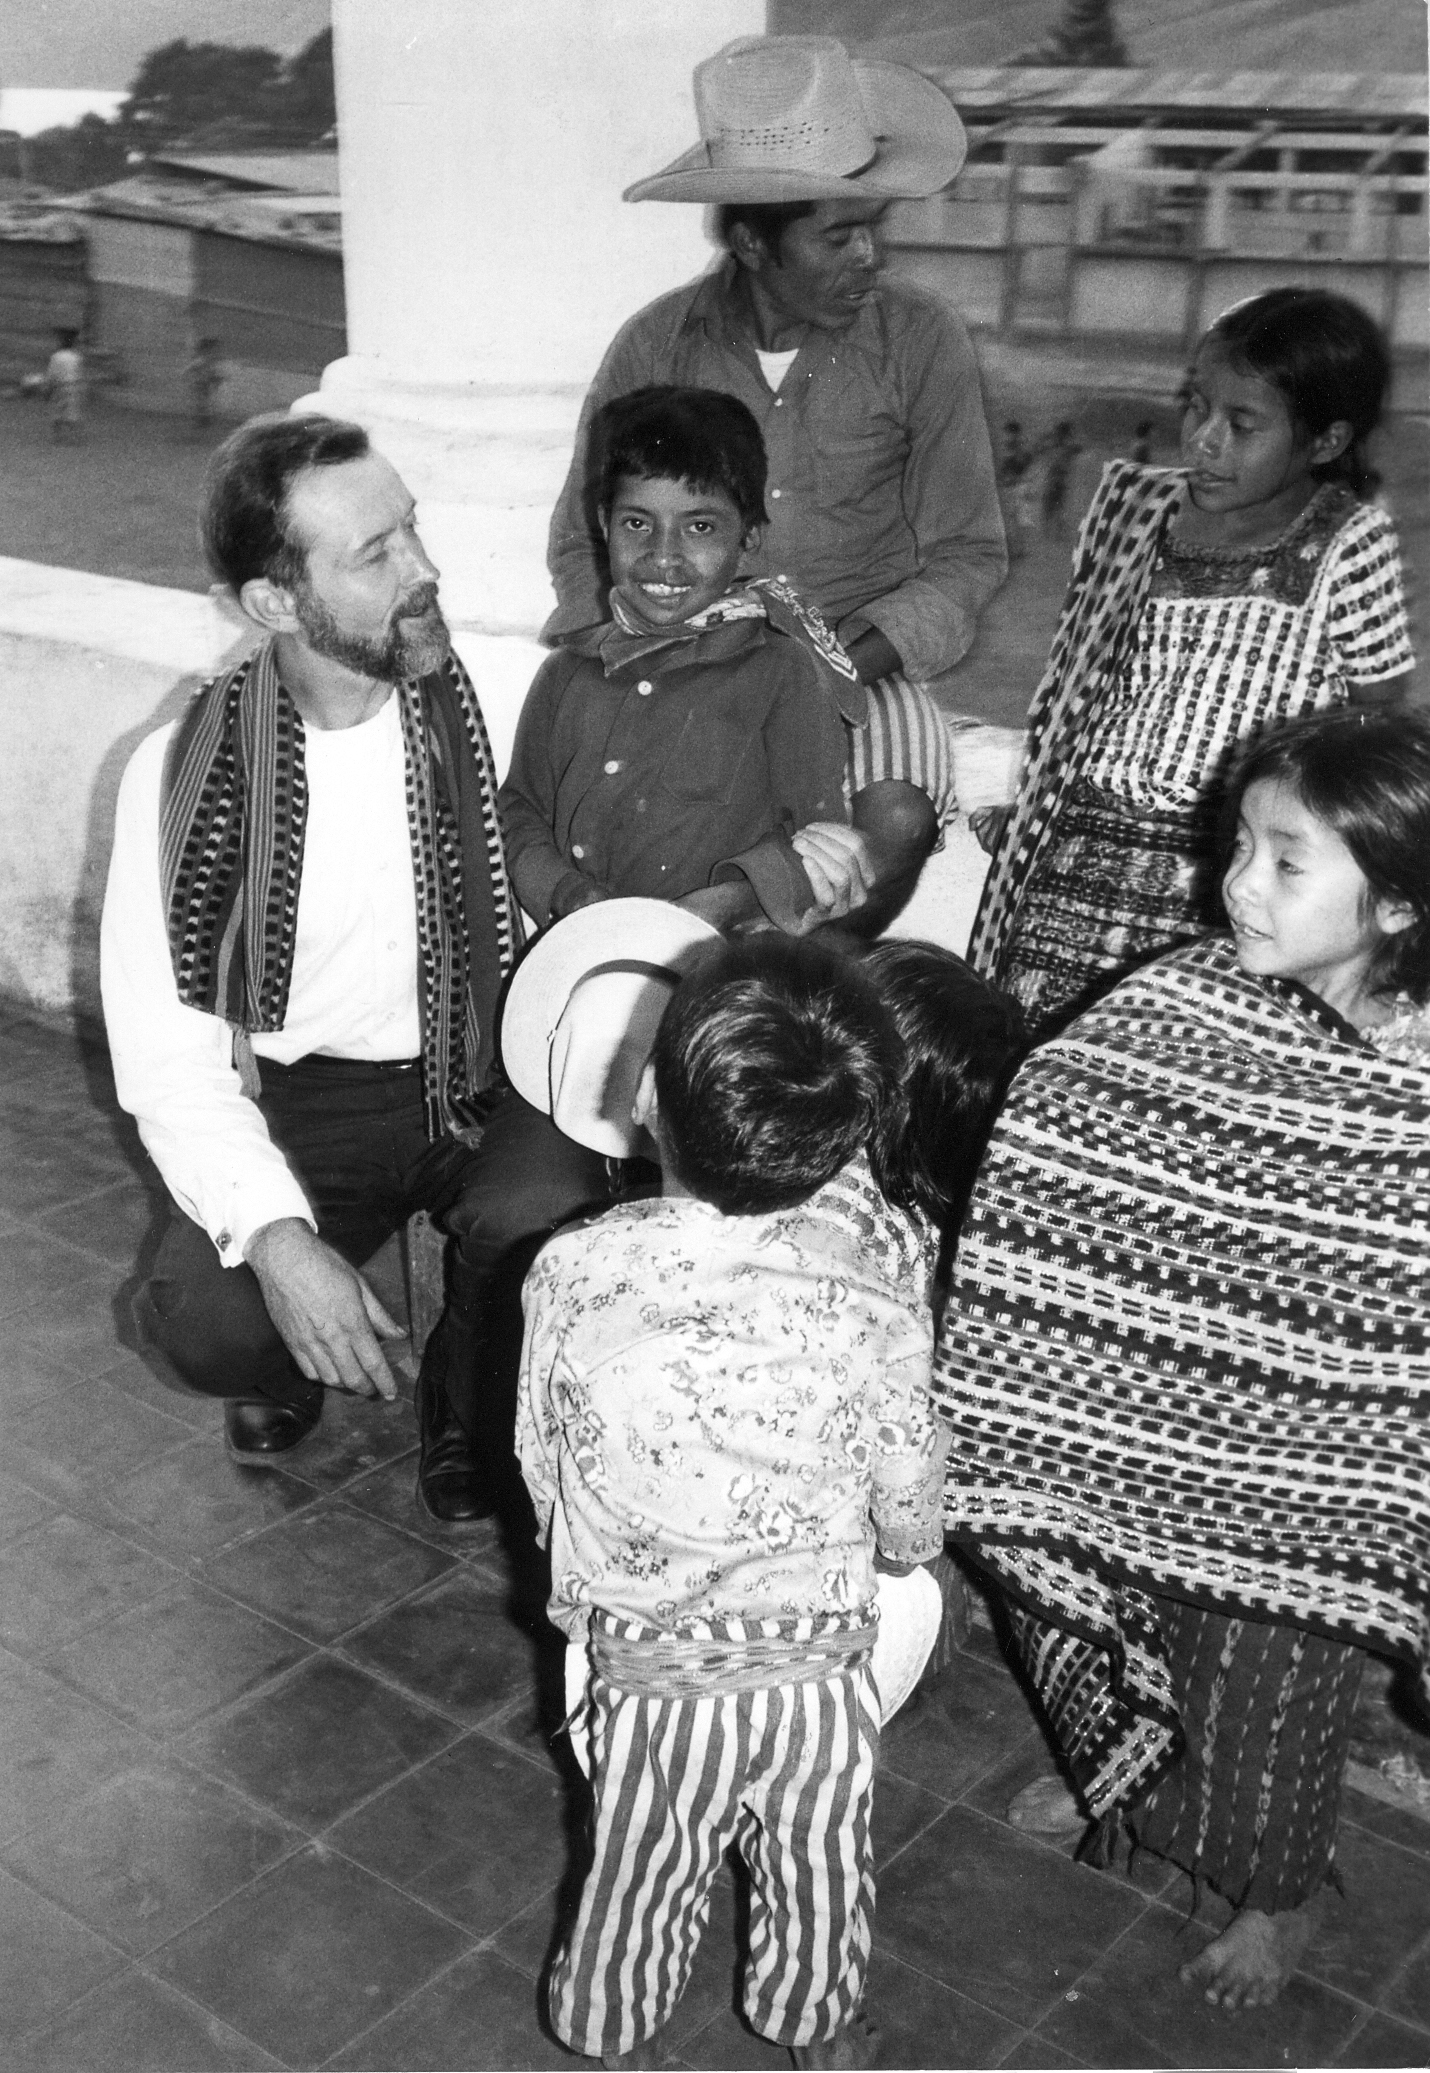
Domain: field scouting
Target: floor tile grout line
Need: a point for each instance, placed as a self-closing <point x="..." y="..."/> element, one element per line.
<point x="423" y="1986"/>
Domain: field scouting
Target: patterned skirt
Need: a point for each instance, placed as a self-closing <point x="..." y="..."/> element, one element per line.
<point x="1114" y="887"/>
<point x="1253" y="1803"/>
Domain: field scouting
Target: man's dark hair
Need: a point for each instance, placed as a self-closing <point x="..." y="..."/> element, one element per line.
<point x="768" y="221"/>
<point x="773" y="1065"/>
<point x="699" y="436"/>
<point x="243" y="523"/>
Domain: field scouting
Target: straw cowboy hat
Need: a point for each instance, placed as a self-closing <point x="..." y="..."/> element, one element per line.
<point x="796" y="119"/>
<point x="582" y="1011"/>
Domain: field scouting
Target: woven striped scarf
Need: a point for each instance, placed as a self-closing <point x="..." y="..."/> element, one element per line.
<point x="231" y="862"/>
<point x="1112" y="574"/>
<point x="1187" y="1345"/>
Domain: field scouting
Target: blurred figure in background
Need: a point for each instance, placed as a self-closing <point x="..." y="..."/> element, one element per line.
<point x="66" y="381"/>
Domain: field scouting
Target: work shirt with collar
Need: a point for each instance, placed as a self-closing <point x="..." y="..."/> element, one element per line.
<point x="883" y="510"/>
<point x="353" y="992"/>
<point x="643" y="764"/>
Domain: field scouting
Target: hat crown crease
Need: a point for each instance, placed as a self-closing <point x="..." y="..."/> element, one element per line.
<point x="803" y="112"/>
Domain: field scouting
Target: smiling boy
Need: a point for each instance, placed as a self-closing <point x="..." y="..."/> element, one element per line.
<point x="674" y="750"/>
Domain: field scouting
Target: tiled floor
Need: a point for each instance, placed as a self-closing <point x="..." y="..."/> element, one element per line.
<point x="275" y="1783"/>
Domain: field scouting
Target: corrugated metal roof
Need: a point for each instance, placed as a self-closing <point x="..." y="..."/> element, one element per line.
<point x="292" y="172"/>
<point x="27" y="223"/>
<point x="1350" y="96"/>
<point x="259" y="217"/>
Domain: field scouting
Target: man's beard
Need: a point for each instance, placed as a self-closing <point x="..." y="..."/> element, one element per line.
<point x="416" y="642"/>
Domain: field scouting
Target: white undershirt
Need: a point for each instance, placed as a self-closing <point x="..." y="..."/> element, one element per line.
<point x="775" y="366"/>
<point x="353" y="992"/>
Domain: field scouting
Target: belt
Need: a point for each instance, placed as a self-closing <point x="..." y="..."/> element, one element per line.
<point x="318" y="1065"/>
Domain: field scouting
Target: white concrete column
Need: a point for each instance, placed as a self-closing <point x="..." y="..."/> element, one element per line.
<point x="489" y="259"/>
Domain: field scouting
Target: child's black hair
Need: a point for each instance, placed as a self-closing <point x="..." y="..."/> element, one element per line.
<point x="703" y="437"/>
<point x="773" y="1065"/>
<point x="963" y="1040"/>
<point x="1366" y="774"/>
<point x="1328" y="359"/>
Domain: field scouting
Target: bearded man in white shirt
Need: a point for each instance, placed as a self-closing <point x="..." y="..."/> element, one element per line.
<point x="306" y="929"/>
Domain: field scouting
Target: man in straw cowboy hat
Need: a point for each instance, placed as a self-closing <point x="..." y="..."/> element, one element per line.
<point x="883" y="505"/>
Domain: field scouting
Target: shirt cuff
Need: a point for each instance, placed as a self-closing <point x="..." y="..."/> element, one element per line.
<point x="777" y="878"/>
<point x="250" y="1209"/>
<point x="924" y="650"/>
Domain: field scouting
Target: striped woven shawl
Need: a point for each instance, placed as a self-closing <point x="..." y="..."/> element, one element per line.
<point x="231" y="862"/>
<point x="1187" y="1348"/>
<point x="1112" y="575"/>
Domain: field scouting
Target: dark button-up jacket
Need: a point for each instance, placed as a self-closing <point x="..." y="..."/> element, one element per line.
<point x="645" y="765"/>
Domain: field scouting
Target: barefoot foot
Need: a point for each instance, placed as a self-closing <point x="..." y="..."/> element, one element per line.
<point x="1046" y="1807"/>
<point x="1251" y="1961"/>
<point x="857" y="2044"/>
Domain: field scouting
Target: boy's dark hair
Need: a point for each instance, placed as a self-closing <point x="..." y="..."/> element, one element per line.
<point x="1366" y="774"/>
<point x="68" y="336"/>
<point x="768" y="221"/>
<point x="243" y="522"/>
<point x="1329" y="360"/>
<point x="962" y="1040"/>
<point x="772" y="1069"/>
<point x="702" y="437"/>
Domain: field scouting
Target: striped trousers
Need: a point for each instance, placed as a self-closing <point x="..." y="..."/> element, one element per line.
<point x="786" y="1773"/>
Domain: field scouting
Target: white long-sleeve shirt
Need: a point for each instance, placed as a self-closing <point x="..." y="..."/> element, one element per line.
<point x="353" y="991"/>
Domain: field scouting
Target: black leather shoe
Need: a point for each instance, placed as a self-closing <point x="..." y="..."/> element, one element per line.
<point x="262" y="1434"/>
<point x="451" y="1489"/>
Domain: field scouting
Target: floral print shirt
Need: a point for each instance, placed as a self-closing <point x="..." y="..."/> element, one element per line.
<point x="719" y="1415"/>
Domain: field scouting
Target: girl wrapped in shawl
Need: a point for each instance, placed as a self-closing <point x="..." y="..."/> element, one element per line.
<point x="1208" y="603"/>
<point x="1186" y="1354"/>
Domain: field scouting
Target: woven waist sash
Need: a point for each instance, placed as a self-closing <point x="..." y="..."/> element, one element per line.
<point x="726" y="1656"/>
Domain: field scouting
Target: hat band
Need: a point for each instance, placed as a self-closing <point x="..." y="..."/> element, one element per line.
<point x="800" y="147"/>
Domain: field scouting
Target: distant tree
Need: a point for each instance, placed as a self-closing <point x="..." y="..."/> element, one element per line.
<point x="184" y="87"/>
<point x="308" y="100"/>
<point x="88" y="153"/>
<point x="1085" y="33"/>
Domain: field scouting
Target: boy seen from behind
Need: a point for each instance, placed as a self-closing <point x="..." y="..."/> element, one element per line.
<point x="674" y="751"/>
<point x="723" y="1413"/>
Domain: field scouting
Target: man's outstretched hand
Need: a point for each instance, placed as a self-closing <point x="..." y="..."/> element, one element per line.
<point x="327" y="1316"/>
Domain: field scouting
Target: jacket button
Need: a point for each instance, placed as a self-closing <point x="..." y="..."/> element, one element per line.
<point x="645" y="687"/>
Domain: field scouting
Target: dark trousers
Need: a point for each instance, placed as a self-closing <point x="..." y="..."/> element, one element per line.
<point x="354" y="1136"/>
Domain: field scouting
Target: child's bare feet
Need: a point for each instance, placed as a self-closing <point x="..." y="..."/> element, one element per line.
<point x="1251" y="1961"/>
<point x="857" y="2044"/>
<point x="1046" y="1807"/>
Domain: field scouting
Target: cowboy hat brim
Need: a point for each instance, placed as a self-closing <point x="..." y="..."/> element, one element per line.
<point x="922" y="145"/>
<point x="654" y="934"/>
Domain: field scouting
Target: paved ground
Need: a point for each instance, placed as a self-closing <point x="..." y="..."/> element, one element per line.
<point x="276" y="1785"/>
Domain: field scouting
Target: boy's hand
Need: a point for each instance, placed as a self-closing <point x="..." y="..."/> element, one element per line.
<point x="574" y="891"/>
<point x="838" y="866"/>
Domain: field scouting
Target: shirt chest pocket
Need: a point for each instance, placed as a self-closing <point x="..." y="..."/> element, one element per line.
<point x="707" y="758"/>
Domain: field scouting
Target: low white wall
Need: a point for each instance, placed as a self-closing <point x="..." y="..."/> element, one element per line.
<point x="90" y="664"/>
